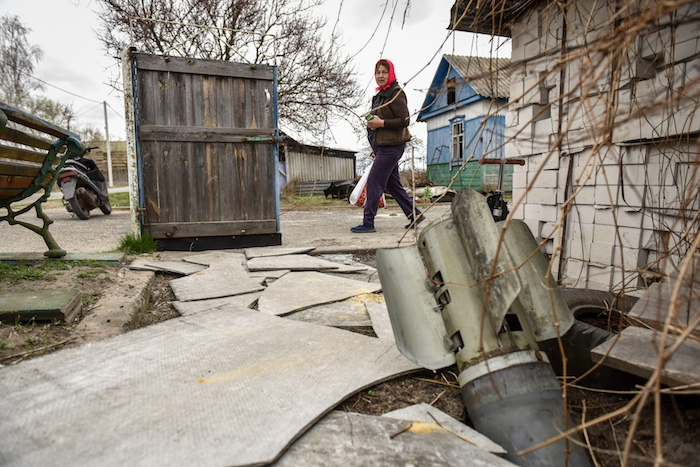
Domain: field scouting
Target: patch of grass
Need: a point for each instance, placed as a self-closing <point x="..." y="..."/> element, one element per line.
<point x="55" y="265"/>
<point x="134" y="245"/>
<point x="32" y="341"/>
<point x="91" y="274"/>
<point x="16" y="273"/>
<point x="89" y="263"/>
<point x="89" y="299"/>
<point x="119" y="199"/>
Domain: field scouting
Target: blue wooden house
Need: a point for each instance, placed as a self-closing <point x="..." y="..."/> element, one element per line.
<point x="465" y="114"/>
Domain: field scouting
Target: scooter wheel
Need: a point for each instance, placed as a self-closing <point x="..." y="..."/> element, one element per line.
<point x="106" y="208"/>
<point x="79" y="208"/>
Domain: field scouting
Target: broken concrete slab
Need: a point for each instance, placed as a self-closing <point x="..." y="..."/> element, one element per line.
<point x="197" y="306"/>
<point x="211" y="257"/>
<point x="349" y="263"/>
<point x="427" y="413"/>
<point x="346" y="313"/>
<point x="276" y="251"/>
<point x="223" y="387"/>
<point x="182" y="268"/>
<point x="40" y="305"/>
<point x="345" y="439"/>
<point x="299" y="290"/>
<point x="636" y="351"/>
<point x="267" y="276"/>
<point x="381" y="323"/>
<point x="291" y="262"/>
<point x="121" y="308"/>
<point x="225" y="276"/>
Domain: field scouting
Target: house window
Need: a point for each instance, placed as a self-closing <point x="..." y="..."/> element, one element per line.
<point x="451" y="91"/>
<point x="458" y="141"/>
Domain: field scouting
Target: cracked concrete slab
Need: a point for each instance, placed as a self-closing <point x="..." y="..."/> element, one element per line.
<point x="211" y="257"/>
<point x="276" y="251"/>
<point x="291" y="262"/>
<point x="267" y="276"/>
<point x="381" y="323"/>
<point x="428" y="414"/>
<point x="348" y="313"/>
<point x="247" y="385"/>
<point x="349" y="262"/>
<point x="345" y="439"/>
<point x="182" y="268"/>
<point x="198" y="306"/>
<point x="225" y="276"/>
<point x="299" y="290"/>
<point x="120" y="308"/>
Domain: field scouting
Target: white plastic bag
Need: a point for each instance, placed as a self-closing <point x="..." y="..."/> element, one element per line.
<point x="359" y="193"/>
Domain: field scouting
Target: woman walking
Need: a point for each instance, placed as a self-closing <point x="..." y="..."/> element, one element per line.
<point x="388" y="134"/>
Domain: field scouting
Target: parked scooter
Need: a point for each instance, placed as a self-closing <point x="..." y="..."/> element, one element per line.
<point x="83" y="185"/>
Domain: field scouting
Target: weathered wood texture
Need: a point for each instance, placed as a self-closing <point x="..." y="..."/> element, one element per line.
<point x="206" y="131"/>
<point x="637" y="352"/>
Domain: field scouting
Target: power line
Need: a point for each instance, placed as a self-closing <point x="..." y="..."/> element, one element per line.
<point x="56" y="87"/>
<point x="62" y="90"/>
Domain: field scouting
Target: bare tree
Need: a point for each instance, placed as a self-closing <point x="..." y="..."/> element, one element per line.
<point x="316" y="82"/>
<point x="50" y="110"/>
<point x="17" y="60"/>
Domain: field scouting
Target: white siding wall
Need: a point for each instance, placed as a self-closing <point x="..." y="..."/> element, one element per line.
<point x="635" y="182"/>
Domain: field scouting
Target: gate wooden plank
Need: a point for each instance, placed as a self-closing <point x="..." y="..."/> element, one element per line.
<point x="209" y="101"/>
<point x="203" y="67"/>
<point x="211" y="228"/>
<point x="211" y="188"/>
<point x="205" y="134"/>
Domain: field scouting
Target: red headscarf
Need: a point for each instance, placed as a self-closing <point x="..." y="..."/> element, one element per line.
<point x="392" y="74"/>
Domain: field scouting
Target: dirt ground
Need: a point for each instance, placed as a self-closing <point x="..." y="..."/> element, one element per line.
<point x="679" y="415"/>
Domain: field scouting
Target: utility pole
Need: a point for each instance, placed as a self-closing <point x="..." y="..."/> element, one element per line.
<point x="109" y="152"/>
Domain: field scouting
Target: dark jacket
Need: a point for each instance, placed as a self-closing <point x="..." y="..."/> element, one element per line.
<point x="391" y="106"/>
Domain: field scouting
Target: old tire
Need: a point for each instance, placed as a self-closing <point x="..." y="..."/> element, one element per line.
<point x="79" y="208"/>
<point x="106" y="208"/>
<point x="584" y="302"/>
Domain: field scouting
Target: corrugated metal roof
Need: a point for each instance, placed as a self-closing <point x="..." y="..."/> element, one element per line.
<point x="490" y="77"/>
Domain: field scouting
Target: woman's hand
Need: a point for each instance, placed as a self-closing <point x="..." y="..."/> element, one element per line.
<point x="375" y="123"/>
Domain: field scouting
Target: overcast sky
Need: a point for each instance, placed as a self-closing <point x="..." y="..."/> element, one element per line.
<point x="77" y="71"/>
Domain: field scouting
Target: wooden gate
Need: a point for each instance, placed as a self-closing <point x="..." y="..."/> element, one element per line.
<point x="206" y="148"/>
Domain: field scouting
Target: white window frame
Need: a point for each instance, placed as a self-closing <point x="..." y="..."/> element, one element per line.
<point x="457" y="133"/>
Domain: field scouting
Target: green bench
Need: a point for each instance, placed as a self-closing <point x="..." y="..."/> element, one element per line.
<point x="32" y="152"/>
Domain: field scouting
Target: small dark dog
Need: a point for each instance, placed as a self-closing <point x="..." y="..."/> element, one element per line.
<point x="339" y="190"/>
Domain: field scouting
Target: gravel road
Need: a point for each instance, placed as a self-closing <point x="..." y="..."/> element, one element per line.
<point x="328" y="229"/>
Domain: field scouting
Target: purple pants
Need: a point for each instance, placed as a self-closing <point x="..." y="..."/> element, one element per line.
<point x="385" y="176"/>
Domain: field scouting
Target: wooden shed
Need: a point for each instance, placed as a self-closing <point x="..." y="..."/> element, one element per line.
<point x="204" y="141"/>
<point x="313" y="168"/>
